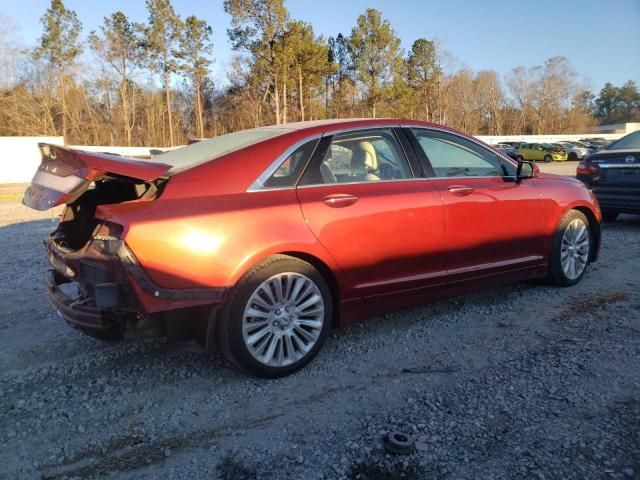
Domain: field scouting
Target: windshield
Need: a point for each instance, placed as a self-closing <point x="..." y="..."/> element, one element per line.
<point x="197" y="153"/>
<point x="629" y="141"/>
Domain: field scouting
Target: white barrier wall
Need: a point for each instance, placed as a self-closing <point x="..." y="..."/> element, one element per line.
<point x="492" y="139"/>
<point x="20" y="157"/>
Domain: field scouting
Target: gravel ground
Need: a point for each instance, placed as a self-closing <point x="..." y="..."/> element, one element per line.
<point x="523" y="381"/>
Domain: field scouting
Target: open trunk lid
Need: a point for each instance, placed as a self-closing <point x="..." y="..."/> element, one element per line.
<point x="65" y="174"/>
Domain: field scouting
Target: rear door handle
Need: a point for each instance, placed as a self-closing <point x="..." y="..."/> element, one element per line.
<point x="339" y="200"/>
<point x="460" y="189"/>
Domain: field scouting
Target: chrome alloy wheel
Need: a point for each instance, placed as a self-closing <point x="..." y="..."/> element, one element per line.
<point x="574" y="251"/>
<point x="283" y="319"/>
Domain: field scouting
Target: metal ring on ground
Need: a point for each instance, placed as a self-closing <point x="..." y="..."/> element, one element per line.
<point x="398" y="442"/>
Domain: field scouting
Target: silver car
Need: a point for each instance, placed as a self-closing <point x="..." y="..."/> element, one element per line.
<point x="575" y="150"/>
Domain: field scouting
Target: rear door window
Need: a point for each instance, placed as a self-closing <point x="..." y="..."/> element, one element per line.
<point x="287" y="174"/>
<point x="361" y="156"/>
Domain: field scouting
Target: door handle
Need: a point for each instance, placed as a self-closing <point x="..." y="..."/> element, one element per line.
<point x="460" y="189"/>
<point x="339" y="200"/>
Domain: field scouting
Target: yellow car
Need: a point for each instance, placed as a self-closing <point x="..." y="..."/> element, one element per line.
<point x="544" y="152"/>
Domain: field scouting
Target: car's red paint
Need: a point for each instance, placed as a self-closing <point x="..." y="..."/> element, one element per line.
<point x="383" y="245"/>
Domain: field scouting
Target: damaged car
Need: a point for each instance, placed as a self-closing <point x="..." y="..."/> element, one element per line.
<point x="259" y="242"/>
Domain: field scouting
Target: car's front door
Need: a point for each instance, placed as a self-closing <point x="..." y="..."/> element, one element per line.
<point x="493" y="222"/>
<point x="383" y="226"/>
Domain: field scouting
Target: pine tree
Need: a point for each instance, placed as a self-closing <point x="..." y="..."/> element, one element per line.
<point x="59" y="44"/>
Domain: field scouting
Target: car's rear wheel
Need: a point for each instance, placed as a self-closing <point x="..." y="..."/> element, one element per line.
<point x="610" y="215"/>
<point x="573" y="156"/>
<point x="570" y="249"/>
<point x="276" y="318"/>
<point x="520" y="158"/>
<point x="547" y="158"/>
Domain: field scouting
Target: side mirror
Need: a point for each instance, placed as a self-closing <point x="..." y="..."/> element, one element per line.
<point x="526" y="170"/>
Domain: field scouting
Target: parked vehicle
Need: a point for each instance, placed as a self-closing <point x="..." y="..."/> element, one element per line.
<point x="575" y="150"/>
<point x="260" y="241"/>
<point x="513" y="144"/>
<point x="506" y="149"/>
<point x="614" y="176"/>
<point x="545" y="152"/>
<point x="595" y="144"/>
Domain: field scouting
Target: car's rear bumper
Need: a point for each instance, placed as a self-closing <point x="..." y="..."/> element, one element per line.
<point x="619" y="200"/>
<point x="113" y="291"/>
<point x="81" y="313"/>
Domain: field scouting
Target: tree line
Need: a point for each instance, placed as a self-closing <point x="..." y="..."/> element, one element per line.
<point x="149" y="83"/>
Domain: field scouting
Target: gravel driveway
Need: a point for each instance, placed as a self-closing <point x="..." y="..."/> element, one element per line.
<point x="523" y="381"/>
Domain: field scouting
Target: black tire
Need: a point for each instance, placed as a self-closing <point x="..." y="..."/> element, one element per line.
<point x="230" y="321"/>
<point x="520" y="158"/>
<point x="573" y="156"/>
<point x="556" y="274"/>
<point x="548" y="158"/>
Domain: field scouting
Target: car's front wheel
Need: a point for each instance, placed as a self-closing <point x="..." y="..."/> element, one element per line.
<point x="276" y="318"/>
<point x="570" y="249"/>
<point x="548" y="159"/>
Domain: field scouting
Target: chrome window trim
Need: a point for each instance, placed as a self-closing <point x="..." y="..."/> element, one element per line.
<point x="258" y="184"/>
<point x="471" y="139"/>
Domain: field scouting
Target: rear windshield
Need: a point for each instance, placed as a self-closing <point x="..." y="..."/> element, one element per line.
<point x="629" y="141"/>
<point x="201" y="152"/>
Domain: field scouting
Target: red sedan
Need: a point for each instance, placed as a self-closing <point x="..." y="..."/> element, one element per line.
<point x="258" y="242"/>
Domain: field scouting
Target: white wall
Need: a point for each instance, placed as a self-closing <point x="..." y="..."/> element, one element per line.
<point x="20" y="157"/>
<point x="491" y="139"/>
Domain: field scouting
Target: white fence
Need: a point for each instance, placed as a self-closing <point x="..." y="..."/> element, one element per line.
<point x="493" y="139"/>
<point x="20" y="157"/>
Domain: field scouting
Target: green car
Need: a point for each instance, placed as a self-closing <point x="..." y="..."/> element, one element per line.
<point x="544" y="152"/>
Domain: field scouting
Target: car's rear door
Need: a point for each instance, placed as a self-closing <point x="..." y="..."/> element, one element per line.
<point x="493" y="222"/>
<point x="383" y="226"/>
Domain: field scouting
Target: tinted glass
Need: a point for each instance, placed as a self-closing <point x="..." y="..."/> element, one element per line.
<point x="363" y="156"/>
<point x="201" y="152"/>
<point x="454" y="156"/>
<point x="289" y="171"/>
<point x="630" y="141"/>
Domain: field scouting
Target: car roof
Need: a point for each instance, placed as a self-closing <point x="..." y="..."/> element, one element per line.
<point x="345" y="123"/>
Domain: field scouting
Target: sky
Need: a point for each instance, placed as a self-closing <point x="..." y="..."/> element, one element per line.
<point x="600" y="38"/>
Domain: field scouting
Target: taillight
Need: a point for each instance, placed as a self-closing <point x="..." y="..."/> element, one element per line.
<point x="587" y="168"/>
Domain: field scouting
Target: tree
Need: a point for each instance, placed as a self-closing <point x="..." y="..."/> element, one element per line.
<point x="628" y="104"/>
<point x="489" y="100"/>
<point x="59" y="45"/>
<point x="340" y="56"/>
<point x="119" y="47"/>
<point x="377" y="55"/>
<point x="310" y="60"/>
<point x="161" y="38"/>
<point x="195" y="45"/>
<point x="258" y="28"/>
<point x="424" y="72"/>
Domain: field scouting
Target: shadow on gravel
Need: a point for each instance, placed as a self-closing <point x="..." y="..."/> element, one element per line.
<point x="381" y="469"/>
<point x="230" y="469"/>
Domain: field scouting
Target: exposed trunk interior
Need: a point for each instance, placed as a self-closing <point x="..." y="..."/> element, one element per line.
<point x="78" y="221"/>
